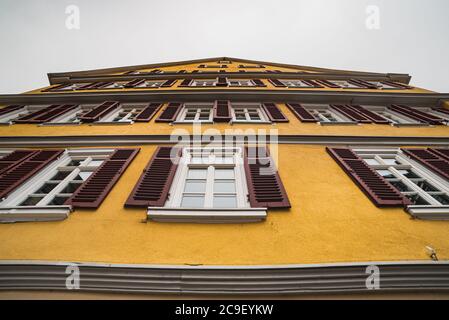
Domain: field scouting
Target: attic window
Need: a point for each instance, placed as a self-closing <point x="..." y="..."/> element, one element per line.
<point x="224" y="62"/>
<point x="214" y="66"/>
<point x="257" y="66"/>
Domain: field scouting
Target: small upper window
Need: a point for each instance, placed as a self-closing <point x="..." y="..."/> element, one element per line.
<point x="247" y="66"/>
<point x="295" y="83"/>
<point x="196" y="112"/>
<point x="213" y="66"/>
<point x="345" y="84"/>
<point x="326" y="115"/>
<point x="397" y="118"/>
<point x="241" y="83"/>
<point x="123" y="115"/>
<point x="248" y="113"/>
<point x="203" y="83"/>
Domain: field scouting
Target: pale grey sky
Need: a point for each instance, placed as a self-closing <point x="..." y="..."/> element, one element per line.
<point x="413" y="36"/>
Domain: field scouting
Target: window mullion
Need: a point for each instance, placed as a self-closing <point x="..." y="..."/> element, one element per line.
<point x="208" y="199"/>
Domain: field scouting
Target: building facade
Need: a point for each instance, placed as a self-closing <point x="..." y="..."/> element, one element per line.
<point x="225" y="176"/>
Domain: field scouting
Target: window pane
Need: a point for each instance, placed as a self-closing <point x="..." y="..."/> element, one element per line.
<point x="197" y="174"/>
<point x="391" y="162"/>
<point x="71" y="188"/>
<point x="224" y="173"/>
<point x="385" y="173"/>
<point x="400" y="186"/>
<point x="60" y="175"/>
<point x="31" y="201"/>
<point x="425" y="186"/>
<point x="225" y="202"/>
<point x="416" y="199"/>
<point x="372" y="162"/>
<point x="83" y="175"/>
<point x="409" y="174"/>
<point x="57" y="201"/>
<point x="224" y="186"/>
<point x="189" y="201"/>
<point x="95" y="163"/>
<point x="442" y="198"/>
<point x="46" y="188"/>
<point x="195" y="186"/>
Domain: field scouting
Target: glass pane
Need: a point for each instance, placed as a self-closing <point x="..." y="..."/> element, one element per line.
<point x="409" y="174"/>
<point x="425" y="186"/>
<point x="46" y="188"/>
<point x="31" y="201"/>
<point x="400" y="186"/>
<point x="83" y="175"/>
<point x="71" y="187"/>
<point x="385" y="173"/>
<point x="197" y="174"/>
<point x="74" y="163"/>
<point x="224" y="186"/>
<point x="391" y="162"/>
<point x="189" y="201"/>
<point x="442" y="198"/>
<point x="224" y="173"/>
<point x="225" y="202"/>
<point x="57" y="201"/>
<point x="372" y="162"/>
<point x="95" y="163"/>
<point x="416" y="199"/>
<point x="195" y="186"/>
<point x="60" y="175"/>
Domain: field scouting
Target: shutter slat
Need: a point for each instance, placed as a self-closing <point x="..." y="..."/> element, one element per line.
<point x="352" y="114"/>
<point x="443" y="153"/>
<point x="170" y="112"/>
<point x="154" y="184"/>
<point x="222" y="111"/>
<point x="98" y="112"/>
<point x="148" y="112"/>
<point x="375" y="187"/>
<point x="15" y="176"/>
<point x="374" y="117"/>
<point x="431" y="159"/>
<point x="14" y="158"/>
<point x="274" y="113"/>
<point x="301" y="113"/>
<point x="95" y="189"/>
<point x="264" y="184"/>
<point x="168" y="83"/>
<point x="441" y="110"/>
<point x="9" y="109"/>
<point x="276" y="83"/>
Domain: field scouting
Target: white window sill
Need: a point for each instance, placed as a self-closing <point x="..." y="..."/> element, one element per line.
<point x="249" y="122"/>
<point x="33" y="213"/>
<point x="206" y="215"/>
<point x="108" y="123"/>
<point x="49" y="124"/>
<point x="342" y="123"/>
<point x="193" y="122"/>
<point x="410" y="125"/>
<point x="429" y="212"/>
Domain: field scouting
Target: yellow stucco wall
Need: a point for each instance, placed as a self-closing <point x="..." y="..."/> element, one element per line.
<point x="330" y="221"/>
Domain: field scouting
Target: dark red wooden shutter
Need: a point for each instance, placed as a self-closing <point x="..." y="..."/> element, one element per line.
<point x="264" y="184"/>
<point x="431" y="160"/>
<point x="134" y="83"/>
<point x="170" y="112"/>
<point x="312" y="83"/>
<point x="9" y="109"/>
<point x="274" y="113"/>
<point x="168" y="83"/>
<point x="375" y="187"/>
<point x="46" y="114"/>
<point x="418" y="115"/>
<point x="441" y="110"/>
<point x="95" y="189"/>
<point x="58" y="87"/>
<point x="14" y="158"/>
<point x="443" y="153"/>
<point x="363" y="83"/>
<point x="397" y="85"/>
<point x="100" y="111"/>
<point x="328" y="84"/>
<point x="222" y="111"/>
<point x="30" y="116"/>
<point x="89" y="85"/>
<point x="374" y="117"/>
<point x="301" y="113"/>
<point x="18" y="174"/>
<point x="148" y="112"/>
<point x="276" y="83"/>
<point x="185" y="83"/>
<point x="350" y="113"/>
<point x="222" y="82"/>
<point x="153" y="187"/>
<point x="258" y="83"/>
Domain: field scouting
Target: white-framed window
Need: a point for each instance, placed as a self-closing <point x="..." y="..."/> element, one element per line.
<point x="55" y="183"/>
<point x="9" y="118"/>
<point x="241" y="83"/>
<point x="383" y="86"/>
<point x="70" y="118"/>
<point x="203" y="82"/>
<point x="328" y="116"/>
<point x="398" y="119"/>
<point x="425" y="189"/>
<point x="196" y="112"/>
<point x="345" y="84"/>
<point x="248" y="112"/>
<point x="435" y="113"/>
<point x="125" y="114"/>
<point x="295" y="83"/>
<point x="151" y="84"/>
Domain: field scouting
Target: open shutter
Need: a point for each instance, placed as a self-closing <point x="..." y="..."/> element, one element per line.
<point x="221" y="82"/>
<point x="18" y="174"/>
<point x="14" y="158"/>
<point x="89" y="86"/>
<point x="134" y="83"/>
<point x="222" y="111"/>
<point x="374" y="117"/>
<point x="312" y="83"/>
<point x="431" y="159"/>
<point x="443" y="153"/>
<point x="328" y="84"/>
<point x="153" y="186"/>
<point x="276" y="83"/>
<point x="441" y="110"/>
<point x="350" y="113"/>
<point x="100" y="111"/>
<point x="30" y="116"/>
<point x="185" y="83"/>
<point x="397" y="85"/>
<point x="95" y="189"/>
<point x="58" y="87"/>
<point x="148" y="112"/>
<point x="375" y="187"/>
<point x="420" y="116"/>
<point x="363" y="83"/>
<point x="170" y="112"/>
<point x="168" y="83"/>
<point x="274" y="113"/>
<point x="258" y="83"/>
<point x="9" y="109"/>
<point x="264" y="184"/>
<point x="301" y="113"/>
<point x="46" y="114"/>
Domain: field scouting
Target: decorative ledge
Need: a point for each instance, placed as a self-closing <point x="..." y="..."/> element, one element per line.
<point x="208" y="215"/>
<point x="32" y="213"/>
<point x="429" y="212"/>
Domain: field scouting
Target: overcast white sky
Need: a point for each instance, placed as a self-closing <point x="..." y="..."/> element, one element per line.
<point x="412" y="38"/>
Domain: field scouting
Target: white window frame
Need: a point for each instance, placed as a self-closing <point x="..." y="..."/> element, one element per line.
<point x="196" y="83"/>
<point x="316" y="110"/>
<point x="382" y="86"/>
<point x="127" y="119"/>
<point x="198" y="106"/>
<point x="346" y="84"/>
<point x="241" y="83"/>
<point x="263" y="117"/>
<point x="290" y="83"/>
<point x="399" y="120"/>
<point x="9" y="118"/>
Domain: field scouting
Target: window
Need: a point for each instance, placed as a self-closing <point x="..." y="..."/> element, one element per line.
<point x="398" y="119"/>
<point x="442" y="115"/>
<point x="9" y="117"/>
<point x="248" y="113"/>
<point x="383" y="85"/>
<point x="410" y="178"/>
<point x="203" y="83"/>
<point x="241" y="83"/>
<point x="295" y="83"/>
<point x="196" y="112"/>
<point x="327" y="116"/>
<point x="72" y="117"/>
<point x="345" y="84"/>
<point x="246" y="66"/>
<point x="123" y="115"/>
<point x="215" y="66"/>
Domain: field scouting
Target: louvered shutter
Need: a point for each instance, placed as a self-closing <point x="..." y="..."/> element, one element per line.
<point x="441" y="110"/>
<point x="443" y="153"/>
<point x="350" y="113"/>
<point x="363" y="83"/>
<point x="431" y="159"/>
<point x="148" y="112"/>
<point x="312" y="83"/>
<point x="274" y="113"/>
<point x="301" y="113"/>
<point x="258" y="83"/>
<point x="276" y="83"/>
<point x="185" y="83"/>
<point x="100" y="111"/>
<point x="375" y="187"/>
<point x="134" y="83"/>
<point x="30" y="116"/>
<point x="170" y="112"/>
<point x="18" y="174"/>
<point x="222" y="111"/>
<point x="89" y="86"/>
<point x="328" y="84"/>
<point x="56" y="88"/>
<point x="416" y="114"/>
<point x="46" y="114"/>
<point x="264" y="184"/>
<point x="95" y="189"/>
<point x="168" y="83"/>
<point x="374" y="117"/>
<point x="153" y="187"/>
<point x="14" y="158"/>
<point x="9" y="109"/>
<point x="397" y="85"/>
<point x="222" y="82"/>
